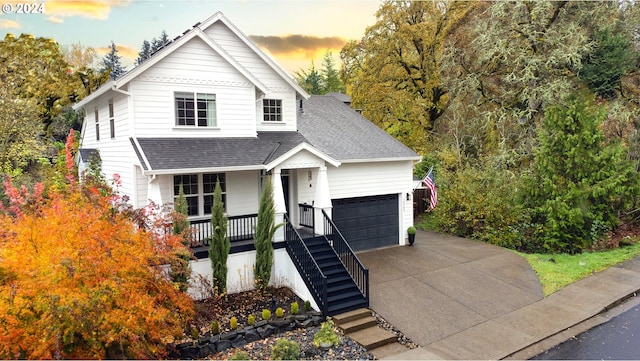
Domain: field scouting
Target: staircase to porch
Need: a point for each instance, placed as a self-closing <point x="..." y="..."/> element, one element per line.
<point x="332" y="272"/>
<point x="343" y="293"/>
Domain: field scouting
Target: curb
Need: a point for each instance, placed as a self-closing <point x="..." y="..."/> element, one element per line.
<point x="608" y="312"/>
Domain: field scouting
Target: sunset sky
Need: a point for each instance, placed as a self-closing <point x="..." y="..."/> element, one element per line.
<point x="294" y="32"/>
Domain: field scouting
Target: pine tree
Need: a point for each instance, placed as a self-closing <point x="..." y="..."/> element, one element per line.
<point x="264" y="234"/>
<point x="330" y="76"/>
<point x="144" y="53"/>
<point x="310" y="80"/>
<point x="112" y="62"/>
<point x="159" y="43"/>
<point x="179" y="272"/>
<point x="219" y="246"/>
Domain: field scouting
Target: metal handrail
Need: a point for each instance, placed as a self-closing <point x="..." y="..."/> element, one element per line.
<point x="239" y="228"/>
<point x="351" y="262"/>
<point x="306" y="265"/>
<point x="307" y="216"/>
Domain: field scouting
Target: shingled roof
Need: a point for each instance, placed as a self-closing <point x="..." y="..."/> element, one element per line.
<point x="325" y="123"/>
<point x="344" y="134"/>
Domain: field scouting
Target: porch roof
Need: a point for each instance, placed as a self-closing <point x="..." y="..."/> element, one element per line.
<point x="165" y="155"/>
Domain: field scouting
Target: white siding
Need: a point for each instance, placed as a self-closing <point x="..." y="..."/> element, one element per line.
<point x="195" y="67"/>
<point x="369" y="179"/>
<point x="116" y="153"/>
<point x="243" y="192"/>
<point x="279" y="88"/>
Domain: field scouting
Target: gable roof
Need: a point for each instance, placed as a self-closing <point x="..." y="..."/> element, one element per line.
<point x="198" y="31"/>
<point x="344" y="134"/>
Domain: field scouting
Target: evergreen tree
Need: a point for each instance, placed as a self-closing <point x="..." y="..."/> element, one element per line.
<point x="310" y="80"/>
<point x="144" y="53"/>
<point x="179" y="272"/>
<point x="330" y="76"/>
<point x="219" y="245"/>
<point x="579" y="179"/>
<point x="159" y="43"/>
<point x="112" y="62"/>
<point x="264" y="235"/>
<point x="612" y="57"/>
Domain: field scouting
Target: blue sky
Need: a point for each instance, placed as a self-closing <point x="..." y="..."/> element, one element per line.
<point x="293" y="32"/>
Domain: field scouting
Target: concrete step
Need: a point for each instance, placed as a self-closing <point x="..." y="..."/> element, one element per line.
<point x="373" y="337"/>
<point x="388" y="350"/>
<point x="351" y="316"/>
<point x="358" y="324"/>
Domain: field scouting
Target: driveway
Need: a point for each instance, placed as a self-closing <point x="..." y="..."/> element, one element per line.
<point x="443" y="285"/>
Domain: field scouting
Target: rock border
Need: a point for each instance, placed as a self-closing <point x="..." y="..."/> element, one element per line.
<point x="209" y="345"/>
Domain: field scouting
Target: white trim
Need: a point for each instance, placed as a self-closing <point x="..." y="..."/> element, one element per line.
<point x="203" y="170"/>
<point x="368" y="160"/>
<point x="144" y="157"/>
<point x="296" y="150"/>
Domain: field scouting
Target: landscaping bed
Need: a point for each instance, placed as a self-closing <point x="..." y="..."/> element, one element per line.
<point x="256" y="341"/>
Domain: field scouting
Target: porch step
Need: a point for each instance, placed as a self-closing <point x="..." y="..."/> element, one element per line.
<point x="360" y="326"/>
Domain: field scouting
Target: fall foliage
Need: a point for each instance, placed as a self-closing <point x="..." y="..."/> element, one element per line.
<point x="80" y="279"/>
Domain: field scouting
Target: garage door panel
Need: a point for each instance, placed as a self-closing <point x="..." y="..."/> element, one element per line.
<point x="368" y="222"/>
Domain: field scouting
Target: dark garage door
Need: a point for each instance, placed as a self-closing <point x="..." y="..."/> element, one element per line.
<point x="367" y="222"/>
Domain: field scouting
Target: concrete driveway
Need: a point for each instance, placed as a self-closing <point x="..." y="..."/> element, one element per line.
<point x="443" y="285"/>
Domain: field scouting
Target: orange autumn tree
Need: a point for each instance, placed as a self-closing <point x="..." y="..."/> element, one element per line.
<point x="80" y="279"/>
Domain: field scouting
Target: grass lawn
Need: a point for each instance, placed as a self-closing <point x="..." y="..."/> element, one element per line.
<point x="558" y="270"/>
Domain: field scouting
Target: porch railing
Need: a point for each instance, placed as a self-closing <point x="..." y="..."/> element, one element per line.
<point x="307" y="218"/>
<point x="309" y="270"/>
<point x="356" y="269"/>
<point x="239" y="228"/>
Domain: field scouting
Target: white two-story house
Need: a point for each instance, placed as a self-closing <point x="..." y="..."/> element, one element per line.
<point x="211" y="106"/>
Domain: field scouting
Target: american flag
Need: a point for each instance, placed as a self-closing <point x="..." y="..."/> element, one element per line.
<point x="430" y="182"/>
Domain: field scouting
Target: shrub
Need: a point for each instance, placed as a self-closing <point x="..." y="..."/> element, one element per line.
<point x="326" y="334"/>
<point x="84" y="278"/>
<point x="214" y="328"/>
<point x="294" y="308"/>
<point x="219" y="246"/>
<point x="307" y="306"/>
<point x="251" y="320"/>
<point x="233" y="323"/>
<point x="279" y="312"/>
<point x="265" y="229"/>
<point x="240" y="355"/>
<point x="285" y="350"/>
<point x="266" y="314"/>
<point x="411" y="230"/>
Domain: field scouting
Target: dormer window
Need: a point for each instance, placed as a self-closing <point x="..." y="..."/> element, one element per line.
<point x="195" y="109"/>
<point x="272" y="110"/>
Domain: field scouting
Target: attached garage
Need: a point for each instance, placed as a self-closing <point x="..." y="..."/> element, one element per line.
<point x="368" y="222"/>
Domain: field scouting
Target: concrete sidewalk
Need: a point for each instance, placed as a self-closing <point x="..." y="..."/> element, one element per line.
<point x="460" y="299"/>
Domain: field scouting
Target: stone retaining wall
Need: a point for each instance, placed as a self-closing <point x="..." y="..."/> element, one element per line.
<point x="209" y="345"/>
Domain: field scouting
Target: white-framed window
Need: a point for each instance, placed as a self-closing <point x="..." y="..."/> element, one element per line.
<point x="195" y="109"/>
<point x="97" y="119"/>
<point x="198" y="190"/>
<point x="112" y="120"/>
<point x="272" y="110"/>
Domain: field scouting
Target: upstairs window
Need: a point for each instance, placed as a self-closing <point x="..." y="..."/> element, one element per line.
<point x="97" y="119"/>
<point x="112" y="120"/>
<point x="198" y="190"/>
<point x="272" y="110"/>
<point x="195" y="109"/>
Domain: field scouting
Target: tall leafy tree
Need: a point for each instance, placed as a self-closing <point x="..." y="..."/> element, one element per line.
<point x="394" y="72"/>
<point x="112" y="64"/>
<point x="579" y="180"/>
<point x="219" y="245"/>
<point x="265" y="229"/>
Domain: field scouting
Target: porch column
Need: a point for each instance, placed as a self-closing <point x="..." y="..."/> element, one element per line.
<point x="322" y="199"/>
<point x="153" y="191"/>
<point x="279" y="203"/>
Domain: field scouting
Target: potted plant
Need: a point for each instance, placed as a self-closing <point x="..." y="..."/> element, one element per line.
<point x="326" y="336"/>
<point x="411" y="231"/>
